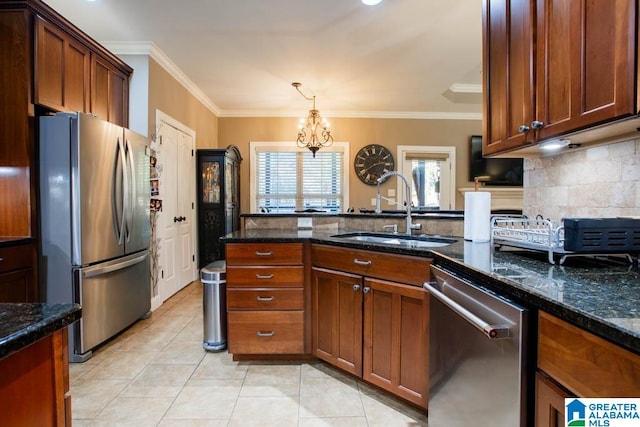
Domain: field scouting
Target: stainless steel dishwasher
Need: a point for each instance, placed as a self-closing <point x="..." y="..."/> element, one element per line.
<point x="477" y="355"/>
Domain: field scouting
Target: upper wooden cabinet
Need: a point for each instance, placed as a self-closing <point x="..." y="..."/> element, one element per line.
<point x="61" y="69"/>
<point x="109" y="91"/>
<point x="553" y="67"/>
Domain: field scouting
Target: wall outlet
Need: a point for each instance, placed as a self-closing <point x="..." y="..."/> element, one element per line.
<point x="373" y="201"/>
<point x="305" y="222"/>
<point x="391" y="192"/>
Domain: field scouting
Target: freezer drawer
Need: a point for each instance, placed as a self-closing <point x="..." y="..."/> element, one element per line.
<point x="113" y="295"/>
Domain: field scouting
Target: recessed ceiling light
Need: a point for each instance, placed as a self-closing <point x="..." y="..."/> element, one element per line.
<point x="371" y="2"/>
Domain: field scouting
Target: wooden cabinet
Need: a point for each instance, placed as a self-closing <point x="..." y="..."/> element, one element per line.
<point x="109" y="91"/>
<point x="337" y="318"/>
<point x="552" y="67"/>
<point x="218" y="182"/>
<point x="35" y="381"/>
<point x="549" y="402"/>
<point x="574" y="362"/>
<point x="265" y="298"/>
<point x="17" y="274"/>
<point x="368" y="326"/>
<point x="61" y="69"/>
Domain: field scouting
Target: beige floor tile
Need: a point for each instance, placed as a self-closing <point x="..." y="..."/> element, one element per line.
<point x="181" y="353"/>
<point x="193" y="423"/>
<point x="383" y="411"/>
<point x="82" y="423"/>
<point x="159" y="381"/>
<point x="329" y="397"/>
<point x="205" y="402"/>
<point x="333" y="422"/>
<point x="89" y="397"/>
<point x="272" y="380"/>
<point x="219" y="366"/>
<point x="77" y="370"/>
<point x="122" y="365"/>
<point x="265" y="412"/>
<point x="133" y="411"/>
<point x="192" y="332"/>
<point x="170" y="322"/>
<point x="147" y="340"/>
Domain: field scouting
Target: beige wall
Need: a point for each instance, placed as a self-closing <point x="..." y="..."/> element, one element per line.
<point x="596" y="182"/>
<point x="358" y="132"/>
<point x="172" y="98"/>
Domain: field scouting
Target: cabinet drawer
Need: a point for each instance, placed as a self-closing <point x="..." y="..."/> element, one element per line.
<point x="263" y="253"/>
<point x="16" y="257"/>
<point x="399" y="268"/>
<point x="266" y="332"/>
<point x="265" y="299"/>
<point x="586" y="364"/>
<point x="260" y="277"/>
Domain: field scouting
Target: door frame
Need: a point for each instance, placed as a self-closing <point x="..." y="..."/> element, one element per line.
<point x="160" y="120"/>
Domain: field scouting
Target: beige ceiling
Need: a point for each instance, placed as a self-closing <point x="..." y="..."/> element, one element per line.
<point x="401" y="58"/>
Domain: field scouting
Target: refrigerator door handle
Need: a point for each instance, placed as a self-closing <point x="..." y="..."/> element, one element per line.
<point x="117" y="194"/>
<point x="100" y="270"/>
<point x="131" y="191"/>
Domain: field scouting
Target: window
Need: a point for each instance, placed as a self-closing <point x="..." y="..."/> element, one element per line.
<point x="431" y="173"/>
<point x="285" y="179"/>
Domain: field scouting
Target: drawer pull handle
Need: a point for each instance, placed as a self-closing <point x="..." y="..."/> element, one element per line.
<point x="263" y="276"/>
<point x="265" y="298"/>
<point x="264" y="253"/>
<point x="358" y="262"/>
<point x="265" y="334"/>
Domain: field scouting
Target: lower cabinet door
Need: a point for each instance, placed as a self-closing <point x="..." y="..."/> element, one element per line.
<point x="549" y="402"/>
<point x="337" y="318"/>
<point x="266" y="332"/>
<point x="395" y="339"/>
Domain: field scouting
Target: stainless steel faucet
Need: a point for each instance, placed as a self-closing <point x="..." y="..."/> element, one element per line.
<point x="407" y="199"/>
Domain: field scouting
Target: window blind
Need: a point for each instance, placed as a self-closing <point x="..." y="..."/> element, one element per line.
<point x="295" y="181"/>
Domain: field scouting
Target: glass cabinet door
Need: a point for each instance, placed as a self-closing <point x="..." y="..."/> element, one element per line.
<point x="210" y="182"/>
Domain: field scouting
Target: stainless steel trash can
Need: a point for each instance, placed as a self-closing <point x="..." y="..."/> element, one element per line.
<point x="213" y="277"/>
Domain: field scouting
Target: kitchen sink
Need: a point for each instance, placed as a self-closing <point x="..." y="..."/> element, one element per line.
<point x="396" y="239"/>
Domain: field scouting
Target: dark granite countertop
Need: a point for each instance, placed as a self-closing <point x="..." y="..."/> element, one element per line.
<point x="391" y="213"/>
<point x="602" y="297"/>
<point x="24" y="324"/>
<point x="7" y="241"/>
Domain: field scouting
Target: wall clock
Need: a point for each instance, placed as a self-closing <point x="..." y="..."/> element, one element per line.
<point x="371" y="162"/>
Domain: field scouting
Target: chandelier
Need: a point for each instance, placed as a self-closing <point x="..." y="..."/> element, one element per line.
<point x="310" y="127"/>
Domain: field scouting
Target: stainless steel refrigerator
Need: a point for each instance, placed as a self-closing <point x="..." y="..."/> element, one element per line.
<point x="94" y="202"/>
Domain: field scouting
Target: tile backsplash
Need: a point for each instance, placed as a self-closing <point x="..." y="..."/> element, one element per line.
<point x="601" y="181"/>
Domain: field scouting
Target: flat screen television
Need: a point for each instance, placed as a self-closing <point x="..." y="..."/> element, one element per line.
<point x="499" y="171"/>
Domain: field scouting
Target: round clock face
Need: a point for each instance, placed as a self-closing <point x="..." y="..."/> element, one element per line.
<point x="371" y="162"/>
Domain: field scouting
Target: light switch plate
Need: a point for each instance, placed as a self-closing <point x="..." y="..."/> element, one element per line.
<point x="391" y="192"/>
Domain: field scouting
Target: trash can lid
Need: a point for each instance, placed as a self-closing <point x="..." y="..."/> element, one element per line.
<point x="213" y="271"/>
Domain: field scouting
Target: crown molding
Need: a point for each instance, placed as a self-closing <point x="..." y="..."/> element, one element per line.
<point x="153" y="51"/>
<point x="357" y="115"/>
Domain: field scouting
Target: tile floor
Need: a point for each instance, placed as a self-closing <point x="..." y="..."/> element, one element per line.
<point x="156" y="373"/>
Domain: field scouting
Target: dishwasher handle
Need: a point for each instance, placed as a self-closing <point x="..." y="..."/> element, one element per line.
<point x="491" y="331"/>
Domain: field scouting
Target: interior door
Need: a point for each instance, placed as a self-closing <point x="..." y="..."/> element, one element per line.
<point x="175" y="222"/>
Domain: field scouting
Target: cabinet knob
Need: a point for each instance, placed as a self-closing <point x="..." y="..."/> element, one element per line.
<point x="536" y="124"/>
<point x="356" y="287"/>
<point x="366" y="289"/>
<point x="524" y="129"/>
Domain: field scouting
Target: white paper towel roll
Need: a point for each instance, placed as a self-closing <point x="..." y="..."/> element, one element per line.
<point x="477" y="216"/>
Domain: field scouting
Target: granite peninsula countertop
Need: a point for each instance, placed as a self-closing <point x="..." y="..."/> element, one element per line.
<point x="602" y="297"/>
<point x="23" y="324"/>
